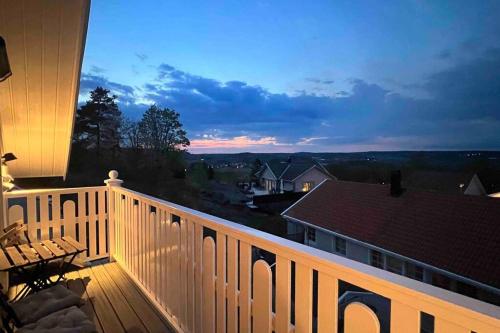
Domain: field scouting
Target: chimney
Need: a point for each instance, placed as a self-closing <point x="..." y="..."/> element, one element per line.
<point x="396" y="189"/>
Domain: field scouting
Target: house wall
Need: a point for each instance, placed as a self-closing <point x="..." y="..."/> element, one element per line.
<point x="326" y="241"/>
<point x="323" y="241"/>
<point x="313" y="175"/>
<point x="268" y="180"/>
<point x="357" y="252"/>
<point x="288" y="186"/>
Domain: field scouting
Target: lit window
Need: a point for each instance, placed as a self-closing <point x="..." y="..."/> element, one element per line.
<point x="394" y="265"/>
<point x="311" y="234"/>
<point x="415" y="272"/>
<point x="307" y="186"/>
<point x="340" y="245"/>
<point x="377" y="259"/>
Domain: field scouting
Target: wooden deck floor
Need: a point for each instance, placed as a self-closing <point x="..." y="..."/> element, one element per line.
<point x="113" y="301"/>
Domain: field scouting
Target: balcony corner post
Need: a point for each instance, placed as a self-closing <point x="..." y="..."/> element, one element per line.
<point x="113" y="181"/>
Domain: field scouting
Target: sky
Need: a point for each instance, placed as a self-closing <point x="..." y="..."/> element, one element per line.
<point x="291" y="76"/>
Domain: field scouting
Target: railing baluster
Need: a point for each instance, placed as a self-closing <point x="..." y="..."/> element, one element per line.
<point x="327" y="303"/>
<point x="404" y="318"/>
<point x="190" y="320"/>
<point x="232" y="285"/>
<point x="245" y="287"/>
<point x="221" y="282"/>
<point x="56" y="216"/>
<point x="262" y="297"/>
<point x="303" y="295"/>
<point x="198" y="255"/>
<point x="283" y="294"/>
<point x="209" y="319"/>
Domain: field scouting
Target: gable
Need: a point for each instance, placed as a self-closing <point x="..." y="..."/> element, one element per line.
<point x="314" y="174"/>
<point x="267" y="174"/>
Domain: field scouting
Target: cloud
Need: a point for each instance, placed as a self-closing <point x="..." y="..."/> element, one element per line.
<point x="461" y="110"/>
<point x="210" y="143"/>
<point x="310" y="141"/>
<point x="141" y="56"/>
<point x="319" y="81"/>
<point x="97" y="69"/>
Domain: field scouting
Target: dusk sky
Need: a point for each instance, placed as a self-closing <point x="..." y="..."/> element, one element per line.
<point x="288" y="76"/>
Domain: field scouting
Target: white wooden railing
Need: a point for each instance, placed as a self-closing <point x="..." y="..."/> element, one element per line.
<point x="201" y="272"/>
<point x="204" y="273"/>
<point x="78" y="212"/>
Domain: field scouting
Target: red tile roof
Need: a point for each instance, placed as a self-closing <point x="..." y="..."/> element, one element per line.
<point x="456" y="233"/>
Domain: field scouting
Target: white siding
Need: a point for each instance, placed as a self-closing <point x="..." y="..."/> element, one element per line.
<point x="45" y="41"/>
<point x="313" y="175"/>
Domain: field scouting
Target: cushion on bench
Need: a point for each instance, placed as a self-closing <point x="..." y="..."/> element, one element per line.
<point x="69" y="320"/>
<point x="45" y="302"/>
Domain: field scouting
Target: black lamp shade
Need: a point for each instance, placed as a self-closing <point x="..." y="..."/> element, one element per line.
<point x="5" y="71"/>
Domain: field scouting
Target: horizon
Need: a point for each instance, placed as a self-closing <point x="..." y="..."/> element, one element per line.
<point x="271" y="77"/>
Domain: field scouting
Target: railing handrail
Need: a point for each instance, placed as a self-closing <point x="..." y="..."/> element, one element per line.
<point x="446" y="304"/>
<point x="67" y="190"/>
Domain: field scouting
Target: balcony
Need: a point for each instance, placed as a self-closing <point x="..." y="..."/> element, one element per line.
<point x="205" y="274"/>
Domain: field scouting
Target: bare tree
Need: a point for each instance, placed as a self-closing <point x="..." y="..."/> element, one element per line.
<point x="160" y="130"/>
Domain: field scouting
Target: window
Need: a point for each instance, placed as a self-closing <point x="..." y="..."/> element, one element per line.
<point x="415" y="272"/>
<point x="394" y="265"/>
<point x="377" y="259"/>
<point x="311" y="234"/>
<point x="307" y="186"/>
<point x="340" y="245"/>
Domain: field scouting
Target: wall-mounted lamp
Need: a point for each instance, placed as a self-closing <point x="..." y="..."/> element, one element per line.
<point x="8" y="157"/>
<point x="5" y="70"/>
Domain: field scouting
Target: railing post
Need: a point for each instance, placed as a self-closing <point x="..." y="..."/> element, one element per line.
<point x="113" y="181"/>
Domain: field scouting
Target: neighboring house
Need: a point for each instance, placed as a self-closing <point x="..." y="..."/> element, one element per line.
<point x="442" y="239"/>
<point x="484" y="183"/>
<point x="293" y="175"/>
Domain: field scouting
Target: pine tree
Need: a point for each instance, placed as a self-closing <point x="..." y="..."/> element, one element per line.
<point x="97" y="124"/>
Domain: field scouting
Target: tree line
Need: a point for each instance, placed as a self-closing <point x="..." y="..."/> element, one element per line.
<point x="100" y="126"/>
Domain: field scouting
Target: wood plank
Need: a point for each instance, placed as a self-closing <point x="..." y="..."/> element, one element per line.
<point x="56" y="215"/>
<point x="65" y="246"/>
<point x="32" y="224"/>
<point x="42" y="251"/>
<point x="404" y="318"/>
<point x="92" y="224"/>
<point x="82" y="220"/>
<point x="15" y="256"/>
<point x="198" y="296"/>
<point x="221" y="282"/>
<point x="208" y="276"/>
<point x="77" y="285"/>
<point x="53" y="248"/>
<point x="69" y="221"/>
<point x="4" y="262"/>
<point x="74" y="243"/>
<point x="327" y="303"/>
<point x="232" y="284"/>
<point x="262" y="297"/>
<point x="102" y="221"/>
<point x="29" y="253"/>
<point x="303" y="292"/>
<point x="283" y="294"/>
<point x="245" y="287"/>
<point x="127" y="316"/>
<point x="44" y="215"/>
<point x="107" y="316"/>
<point x="152" y="320"/>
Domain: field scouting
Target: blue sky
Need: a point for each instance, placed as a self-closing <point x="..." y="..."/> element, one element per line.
<point x="290" y="76"/>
